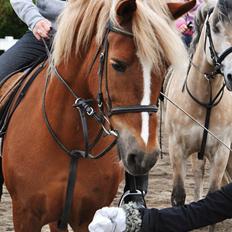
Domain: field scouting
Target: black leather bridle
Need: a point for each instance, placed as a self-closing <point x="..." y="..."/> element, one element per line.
<point x="103" y="73"/>
<point x="85" y="109"/>
<point x="217" y="64"/>
<point x="217" y="60"/>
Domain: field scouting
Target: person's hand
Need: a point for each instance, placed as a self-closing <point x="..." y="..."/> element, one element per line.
<point x="108" y="219"/>
<point x="183" y="28"/>
<point x="42" y="29"/>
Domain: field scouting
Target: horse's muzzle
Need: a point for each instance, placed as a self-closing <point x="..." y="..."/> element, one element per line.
<point x="136" y="161"/>
<point x="141" y="163"/>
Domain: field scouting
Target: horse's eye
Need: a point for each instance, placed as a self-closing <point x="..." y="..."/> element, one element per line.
<point x="119" y="66"/>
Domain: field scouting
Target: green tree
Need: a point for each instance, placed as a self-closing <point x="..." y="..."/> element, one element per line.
<point x="10" y="24"/>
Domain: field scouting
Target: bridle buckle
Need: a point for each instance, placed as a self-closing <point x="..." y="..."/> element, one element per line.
<point x="90" y="111"/>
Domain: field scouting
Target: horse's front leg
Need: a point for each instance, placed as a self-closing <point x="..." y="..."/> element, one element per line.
<point x="198" y="167"/>
<point x="25" y="218"/>
<point x="227" y="178"/>
<point x="218" y="163"/>
<point x="54" y="228"/>
<point x="178" y="162"/>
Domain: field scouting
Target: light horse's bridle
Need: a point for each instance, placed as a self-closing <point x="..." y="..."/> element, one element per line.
<point x="217" y="60"/>
<point x="102" y="116"/>
<point x="217" y="64"/>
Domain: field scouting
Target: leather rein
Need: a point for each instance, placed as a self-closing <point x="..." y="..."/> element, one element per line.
<point x="217" y="64"/>
<point x="85" y="109"/>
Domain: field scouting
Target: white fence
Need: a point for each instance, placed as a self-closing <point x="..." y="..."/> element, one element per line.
<point x="7" y="42"/>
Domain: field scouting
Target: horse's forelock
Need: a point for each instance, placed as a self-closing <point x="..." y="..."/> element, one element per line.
<point x="152" y="29"/>
<point x="155" y="35"/>
<point x="225" y="10"/>
<point x="151" y="25"/>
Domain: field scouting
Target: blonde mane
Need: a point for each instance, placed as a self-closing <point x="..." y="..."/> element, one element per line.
<point x="154" y="32"/>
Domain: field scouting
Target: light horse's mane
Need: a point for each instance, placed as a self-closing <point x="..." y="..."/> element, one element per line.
<point x="224" y="14"/>
<point x="198" y="25"/>
<point x="154" y="33"/>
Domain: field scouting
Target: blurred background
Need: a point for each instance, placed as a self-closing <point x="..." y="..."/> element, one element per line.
<point x="10" y="25"/>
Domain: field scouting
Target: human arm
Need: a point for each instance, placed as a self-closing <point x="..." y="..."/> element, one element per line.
<point x="37" y="20"/>
<point x="27" y="11"/>
<point x="181" y="25"/>
<point x="214" y="208"/>
<point x="184" y="27"/>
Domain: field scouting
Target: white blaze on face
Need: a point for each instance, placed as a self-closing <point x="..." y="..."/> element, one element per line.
<point x="146" y="66"/>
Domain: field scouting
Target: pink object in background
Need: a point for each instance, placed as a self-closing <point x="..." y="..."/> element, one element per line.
<point x="185" y="23"/>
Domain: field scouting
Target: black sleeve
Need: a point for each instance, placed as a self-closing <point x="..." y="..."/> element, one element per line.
<point x="214" y="208"/>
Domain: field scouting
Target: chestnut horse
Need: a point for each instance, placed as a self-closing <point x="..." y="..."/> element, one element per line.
<point x="201" y="93"/>
<point x="117" y="51"/>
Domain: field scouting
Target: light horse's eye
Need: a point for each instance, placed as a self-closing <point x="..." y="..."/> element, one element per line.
<point x="119" y="66"/>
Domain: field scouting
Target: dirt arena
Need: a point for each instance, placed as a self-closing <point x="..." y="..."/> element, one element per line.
<point x="159" y="194"/>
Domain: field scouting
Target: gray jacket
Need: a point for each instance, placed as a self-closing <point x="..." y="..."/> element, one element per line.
<point x="31" y="13"/>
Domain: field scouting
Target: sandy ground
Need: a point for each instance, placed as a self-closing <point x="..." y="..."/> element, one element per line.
<point x="160" y="185"/>
<point x="159" y="193"/>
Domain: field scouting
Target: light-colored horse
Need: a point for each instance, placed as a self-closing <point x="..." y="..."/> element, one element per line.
<point x="130" y="39"/>
<point x="198" y="87"/>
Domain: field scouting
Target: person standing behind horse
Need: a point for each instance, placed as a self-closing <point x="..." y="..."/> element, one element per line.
<point x="40" y="19"/>
<point x="185" y="24"/>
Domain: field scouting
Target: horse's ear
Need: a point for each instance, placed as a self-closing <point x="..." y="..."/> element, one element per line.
<point x="177" y="9"/>
<point x="125" y="10"/>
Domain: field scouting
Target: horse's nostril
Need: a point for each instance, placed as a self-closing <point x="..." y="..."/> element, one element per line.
<point x="229" y="77"/>
<point x="133" y="159"/>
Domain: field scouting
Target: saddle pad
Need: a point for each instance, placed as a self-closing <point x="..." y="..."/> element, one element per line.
<point x="13" y="90"/>
<point x="8" y="87"/>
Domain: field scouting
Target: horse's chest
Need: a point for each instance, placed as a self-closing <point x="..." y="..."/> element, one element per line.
<point x="191" y="137"/>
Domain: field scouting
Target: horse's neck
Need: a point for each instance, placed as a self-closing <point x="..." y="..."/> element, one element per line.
<point x="197" y="82"/>
<point x="60" y="100"/>
<point x="76" y="73"/>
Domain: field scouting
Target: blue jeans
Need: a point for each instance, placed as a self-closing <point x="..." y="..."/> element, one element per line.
<point x="26" y="51"/>
<point x="187" y="40"/>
